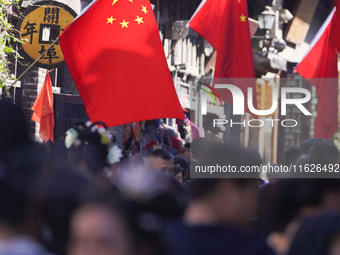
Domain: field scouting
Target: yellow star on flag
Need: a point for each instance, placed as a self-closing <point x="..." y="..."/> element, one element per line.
<point x="243" y="18"/>
<point x="139" y="20"/>
<point x="131" y="1"/>
<point x="144" y="9"/>
<point x="124" y="24"/>
<point x="114" y="1"/>
<point x="110" y="20"/>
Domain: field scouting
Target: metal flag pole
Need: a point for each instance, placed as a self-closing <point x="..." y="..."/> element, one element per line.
<point x="35" y="61"/>
<point x="179" y="38"/>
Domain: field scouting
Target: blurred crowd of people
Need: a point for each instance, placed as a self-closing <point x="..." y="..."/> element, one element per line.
<point x="102" y="201"/>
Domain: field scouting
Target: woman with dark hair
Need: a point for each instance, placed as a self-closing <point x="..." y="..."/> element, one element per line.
<point x="182" y="169"/>
<point x="129" y="218"/>
<point x="92" y="146"/>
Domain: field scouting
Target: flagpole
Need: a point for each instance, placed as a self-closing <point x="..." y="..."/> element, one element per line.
<point x="275" y="132"/>
<point x="179" y="38"/>
<point x="186" y="28"/>
<point x="157" y="12"/>
<point x="35" y="61"/>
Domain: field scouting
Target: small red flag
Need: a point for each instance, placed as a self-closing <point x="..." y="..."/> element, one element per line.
<point x="225" y="25"/>
<point x="117" y="61"/>
<point x="43" y="110"/>
<point x="320" y="68"/>
<point x="335" y="30"/>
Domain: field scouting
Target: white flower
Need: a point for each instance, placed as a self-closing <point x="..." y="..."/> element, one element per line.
<point x="114" y="154"/>
<point x="71" y="138"/>
<point x="101" y="131"/>
<point x="94" y="128"/>
<point x="88" y="123"/>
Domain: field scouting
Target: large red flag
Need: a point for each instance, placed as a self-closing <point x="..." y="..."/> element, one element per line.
<point x="335" y="30"/>
<point x="320" y="68"/>
<point x="225" y="25"/>
<point x="116" y="59"/>
<point x="43" y="110"/>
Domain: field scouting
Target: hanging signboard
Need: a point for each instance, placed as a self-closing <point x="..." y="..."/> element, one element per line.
<point x="41" y="25"/>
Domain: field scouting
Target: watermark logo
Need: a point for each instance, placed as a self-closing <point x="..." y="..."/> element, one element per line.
<point x="239" y="100"/>
<point x="211" y="93"/>
<point x="243" y="100"/>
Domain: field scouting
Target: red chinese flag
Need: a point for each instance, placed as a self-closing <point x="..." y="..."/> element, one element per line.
<point x="225" y="25"/>
<point x="320" y="68"/>
<point x="43" y="111"/>
<point x="116" y="59"/>
<point x="335" y="30"/>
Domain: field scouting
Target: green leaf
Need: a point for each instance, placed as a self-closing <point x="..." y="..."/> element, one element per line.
<point x="8" y="50"/>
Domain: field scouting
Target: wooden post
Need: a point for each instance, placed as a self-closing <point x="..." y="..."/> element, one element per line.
<point x="275" y="132"/>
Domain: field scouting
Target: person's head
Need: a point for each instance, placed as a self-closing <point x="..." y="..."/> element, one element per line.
<point x="127" y="219"/>
<point x="321" y="151"/>
<point x="57" y="192"/>
<point x="184" y="165"/>
<point x="317" y="235"/>
<point x="291" y="155"/>
<point x="100" y="228"/>
<point x="91" y="146"/>
<point x="230" y="200"/>
<point x="178" y="173"/>
<point x="13" y="127"/>
<point x="291" y="201"/>
<point x="161" y="160"/>
<point x="186" y="151"/>
<point x="197" y="147"/>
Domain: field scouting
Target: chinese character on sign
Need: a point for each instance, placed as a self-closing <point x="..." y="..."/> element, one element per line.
<point x="42" y="23"/>
<point x="51" y="15"/>
<point x="30" y="30"/>
<point x="50" y="54"/>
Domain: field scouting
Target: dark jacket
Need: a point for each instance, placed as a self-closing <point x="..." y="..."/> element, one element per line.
<point x="213" y="240"/>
